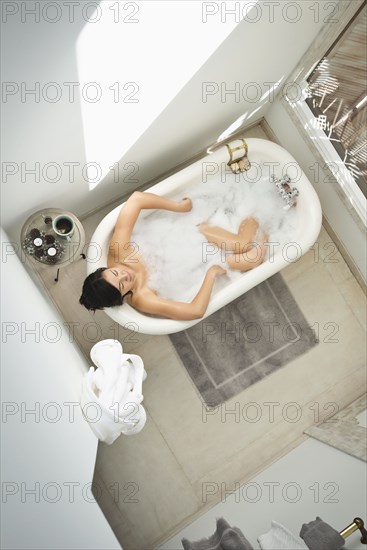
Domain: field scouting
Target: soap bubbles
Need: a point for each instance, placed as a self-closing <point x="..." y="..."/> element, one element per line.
<point x="176" y="253"/>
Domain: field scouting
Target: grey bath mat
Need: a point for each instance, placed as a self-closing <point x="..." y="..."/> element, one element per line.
<point x="244" y="341"/>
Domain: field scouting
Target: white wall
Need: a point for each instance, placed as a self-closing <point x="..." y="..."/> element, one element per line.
<point x="334" y="489"/>
<point x="262" y="51"/>
<point x="48" y="455"/>
<point x="34" y="129"/>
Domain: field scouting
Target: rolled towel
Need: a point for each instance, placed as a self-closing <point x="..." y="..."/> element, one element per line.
<point x="129" y="428"/>
<point x="102" y="420"/>
<point x="319" y="535"/>
<point x="106" y="354"/>
<point x="113" y="392"/>
<point x="122" y="386"/>
<point x="137" y="373"/>
<point x="225" y="538"/>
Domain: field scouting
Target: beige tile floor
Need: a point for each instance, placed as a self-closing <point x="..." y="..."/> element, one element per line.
<point x="156" y="482"/>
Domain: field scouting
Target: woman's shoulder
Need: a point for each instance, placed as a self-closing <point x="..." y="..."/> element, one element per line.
<point x="123" y="252"/>
<point x="138" y="298"/>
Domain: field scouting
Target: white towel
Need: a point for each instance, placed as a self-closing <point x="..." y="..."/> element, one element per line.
<point x="280" y="537"/>
<point x="111" y="395"/>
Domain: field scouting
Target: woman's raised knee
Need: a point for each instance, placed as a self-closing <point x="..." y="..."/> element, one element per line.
<point x="249" y="259"/>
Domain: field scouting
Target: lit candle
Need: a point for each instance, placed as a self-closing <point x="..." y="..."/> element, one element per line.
<point x="51" y="251"/>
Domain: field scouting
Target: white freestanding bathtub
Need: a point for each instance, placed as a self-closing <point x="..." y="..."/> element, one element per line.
<point x="279" y="162"/>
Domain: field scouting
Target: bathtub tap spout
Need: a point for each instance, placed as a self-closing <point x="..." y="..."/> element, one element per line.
<point x="283" y="180"/>
<point x="287" y="193"/>
<point x="290" y="198"/>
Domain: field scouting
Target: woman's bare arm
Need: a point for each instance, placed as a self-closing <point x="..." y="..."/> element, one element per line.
<point x="181" y="310"/>
<point x="119" y="244"/>
<point x="150" y="200"/>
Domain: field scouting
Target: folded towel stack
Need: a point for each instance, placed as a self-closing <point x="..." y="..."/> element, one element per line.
<point x="225" y="538"/>
<point x="115" y="392"/>
<point x="318" y="535"/>
<point x="280" y="537"/>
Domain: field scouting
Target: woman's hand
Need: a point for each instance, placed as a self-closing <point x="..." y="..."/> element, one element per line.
<point x="150" y="303"/>
<point x="184" y="205"/>
<point x="217" y="271"/>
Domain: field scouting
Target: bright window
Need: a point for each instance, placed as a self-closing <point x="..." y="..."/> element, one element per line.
<point x="337" y="96"/>
<point x="133" y="58"/>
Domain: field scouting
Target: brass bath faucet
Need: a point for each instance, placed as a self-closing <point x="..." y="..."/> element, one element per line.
<point x="238" y="164"/>
<point x="356" y="524"/>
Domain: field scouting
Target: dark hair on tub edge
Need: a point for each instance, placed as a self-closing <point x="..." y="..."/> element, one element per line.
<point x="97" y="293"/>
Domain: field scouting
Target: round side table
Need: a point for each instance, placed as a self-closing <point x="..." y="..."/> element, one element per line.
<point x="42" y="245"/>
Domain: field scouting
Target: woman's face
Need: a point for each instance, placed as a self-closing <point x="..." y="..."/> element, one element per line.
<point x="120" y="277"/>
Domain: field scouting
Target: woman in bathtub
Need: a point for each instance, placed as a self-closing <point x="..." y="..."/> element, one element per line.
<point x="125" y="276"/>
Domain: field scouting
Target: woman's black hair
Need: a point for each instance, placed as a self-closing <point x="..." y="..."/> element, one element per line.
<point x="97" y="293"/>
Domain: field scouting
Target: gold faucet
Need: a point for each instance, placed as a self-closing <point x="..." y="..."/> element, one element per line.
<point x="357" y="524"/>
<point x="241" y="164"/>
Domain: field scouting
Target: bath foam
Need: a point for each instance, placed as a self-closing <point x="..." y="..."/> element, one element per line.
<point x="177" y="255"/>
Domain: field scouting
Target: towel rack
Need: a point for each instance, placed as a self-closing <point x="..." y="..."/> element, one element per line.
<point x="356" y="524"/>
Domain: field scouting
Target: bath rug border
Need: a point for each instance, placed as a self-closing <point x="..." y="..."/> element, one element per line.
<point x="214" y="394"/>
